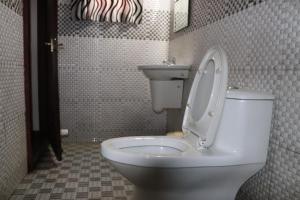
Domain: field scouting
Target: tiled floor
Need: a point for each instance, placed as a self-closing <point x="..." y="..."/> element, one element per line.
<point x="82" y="174"/>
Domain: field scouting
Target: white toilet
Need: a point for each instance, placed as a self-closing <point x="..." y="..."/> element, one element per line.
<point x="226" y="136"/>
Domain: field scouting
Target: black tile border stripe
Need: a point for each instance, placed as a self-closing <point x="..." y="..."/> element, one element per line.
<point x="212" y="11"/>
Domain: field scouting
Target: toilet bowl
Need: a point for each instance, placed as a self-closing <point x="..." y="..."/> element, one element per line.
<point x="226" y="135"/>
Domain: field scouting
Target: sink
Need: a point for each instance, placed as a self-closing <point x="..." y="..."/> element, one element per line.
<point x="166" y="84"/>
<point x="165" y="72"/>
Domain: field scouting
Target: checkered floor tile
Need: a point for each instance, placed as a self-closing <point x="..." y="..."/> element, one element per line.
<point x="83" y="174"/>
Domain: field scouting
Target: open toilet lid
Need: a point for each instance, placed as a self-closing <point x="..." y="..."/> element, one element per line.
<point x="207" y="96"/>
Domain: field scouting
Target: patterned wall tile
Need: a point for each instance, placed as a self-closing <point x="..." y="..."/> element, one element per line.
<point x="180" y="48"/>
<point x="98" y="80"/>
<point x="154" y="26"/>
<point x="13" y="160"/>
<point x="66" y="26"/>
<point x="139" y="89"/>
<point x="288" y="112"/>
<point x="285" y="174"/>
<point x="112" y="84"/>
<point x="11" y="37"/>
<point x="237" y="28"/>
<point x="102" y="119"/>
<point x="68" y="55"/>
<point x="217" y="10"/>
<point x="111" y="115"/>
<point x="265" y="41"/>
<point x="158" y="25"/>
<point x="155" y="123"/>
<point x="90" y="76"/>
<point x="290" y="38"/>
<point x="129" y="84"/>
<point x="199" y="14"/>
<point x="68" y="76"/>
<point x="234" y="6"/>
<point x="86" y="120"/>
<point x="15" y="165"/>
<point x="69" y="117"/>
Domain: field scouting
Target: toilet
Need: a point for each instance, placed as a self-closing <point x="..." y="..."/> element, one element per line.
<point x="225" y="141"/>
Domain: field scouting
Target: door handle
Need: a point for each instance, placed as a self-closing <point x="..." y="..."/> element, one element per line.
<point x="54" y="46"/>
<point x="51" y="44"/>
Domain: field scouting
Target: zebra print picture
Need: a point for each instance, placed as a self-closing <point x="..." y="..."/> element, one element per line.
<point x="126" y="11"/>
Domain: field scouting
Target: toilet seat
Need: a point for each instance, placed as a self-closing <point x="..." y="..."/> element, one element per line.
<point x="201" y="121"/>
<point x="163" y="152"/>
<point x="207" y="97"/>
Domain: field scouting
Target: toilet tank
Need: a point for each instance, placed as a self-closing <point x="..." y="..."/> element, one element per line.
<point x="245" y="125"/>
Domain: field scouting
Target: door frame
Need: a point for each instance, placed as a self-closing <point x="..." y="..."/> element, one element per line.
<point x="37" y="142"/>
<point x="27" y="80"/>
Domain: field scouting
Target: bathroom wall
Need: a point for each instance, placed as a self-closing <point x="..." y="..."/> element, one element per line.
<point x="13" y="159"/>
<point x="102" y="94"/>
<point x="261" y="39"/>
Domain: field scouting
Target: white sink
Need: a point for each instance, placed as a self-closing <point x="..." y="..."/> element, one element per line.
<point x="165" y="72"/>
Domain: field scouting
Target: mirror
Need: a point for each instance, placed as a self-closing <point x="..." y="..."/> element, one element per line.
<point x="181" y="14"/>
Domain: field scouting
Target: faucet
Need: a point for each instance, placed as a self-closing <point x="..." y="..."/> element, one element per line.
<point x="172" y="61"/>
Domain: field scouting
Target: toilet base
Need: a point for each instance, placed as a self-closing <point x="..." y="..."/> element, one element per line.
<point x="203" y="183"/>
<point x="209" y="194"/>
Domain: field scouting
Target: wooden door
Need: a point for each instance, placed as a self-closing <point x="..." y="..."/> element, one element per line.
<point x="48" y="74"/>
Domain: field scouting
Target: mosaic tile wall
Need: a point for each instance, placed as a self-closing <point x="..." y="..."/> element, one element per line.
<point x="102" y="94"/>
<point x="13" y="160"/>
<point x="263" y="47"/>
